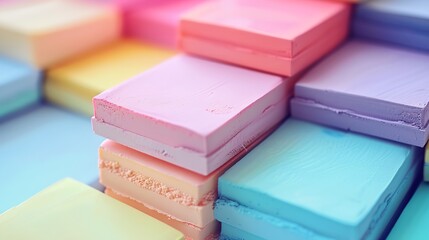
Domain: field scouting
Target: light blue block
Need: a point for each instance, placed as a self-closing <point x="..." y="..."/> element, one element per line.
<point x="19" y="86"/>
<point x="42" y="146"/>
<point x="337" y="184"/>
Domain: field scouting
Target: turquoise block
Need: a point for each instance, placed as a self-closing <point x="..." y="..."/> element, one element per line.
<point x="334" y="183"/>
<point x="42" y="146"/>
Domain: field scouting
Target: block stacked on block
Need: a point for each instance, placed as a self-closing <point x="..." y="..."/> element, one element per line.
<point x="157" y="21"/>
<point x="413" y="222"/>
<point x="71" y="210"/>
<point x="187" y="120"/>
<point x="308" y="181"/>
<point x="403" y="22"/>
<point x="19" y="86"/>
<point x="368" y="88"/>
<point x="46" y="32"/>
<point x="273" y="36"/>
<point x="74" y="83"/>
<point x="41" y="147"/>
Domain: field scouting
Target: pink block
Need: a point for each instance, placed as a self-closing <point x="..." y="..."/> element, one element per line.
<point x="157" y="22"/>
<point x="277" y="36"/>
<point x="193" y="113"/>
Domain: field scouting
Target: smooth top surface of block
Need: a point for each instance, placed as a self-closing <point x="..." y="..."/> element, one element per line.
<point x="280" y="27"/>
<point x="73" y="210"/>
<point x="410" y="8"/>
<point x="95" y="72"/>
<point x="413" y="222"/>
<point x="41" y="16"/>
<point x="318" y="177"/>
<point x="190" y="102"/>
<point x="41" y="147"/>
<point x="373" y="80"/>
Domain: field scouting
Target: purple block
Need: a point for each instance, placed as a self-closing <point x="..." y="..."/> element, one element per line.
<point x="367" y="88"/>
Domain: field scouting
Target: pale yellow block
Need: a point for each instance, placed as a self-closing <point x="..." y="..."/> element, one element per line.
<point x="46" y="32"/>
<point x="72" y="210"/>
<point x="75" y="83"/>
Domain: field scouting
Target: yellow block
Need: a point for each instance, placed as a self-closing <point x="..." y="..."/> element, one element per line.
<point x="47" y="32"/>
<point x="75" y="83"/>
<point x="72" y="210"/>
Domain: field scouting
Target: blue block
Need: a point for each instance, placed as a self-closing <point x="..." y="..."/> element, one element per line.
<point x="19" y="86"/>
<point x="41" y="147"/>
<point x="404" y="22"/>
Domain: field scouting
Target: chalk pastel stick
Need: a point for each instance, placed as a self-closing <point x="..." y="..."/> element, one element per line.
<point x="73" y="210"/>
<point x="157" y="22"/>
<point x="44" y="33"/>
<point x="274" y="36"/>
<point x="19" y="86"/>
<point x="413" y="222"/>
<point x="297" y="183"/>
<point x="73" y="84"/>
<point x="359" y="88"/>
<point x="192" y="112"/>
<point x="41" y="147"/>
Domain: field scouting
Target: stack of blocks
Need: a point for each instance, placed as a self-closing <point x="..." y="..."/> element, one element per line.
<point x="199" y="143"/>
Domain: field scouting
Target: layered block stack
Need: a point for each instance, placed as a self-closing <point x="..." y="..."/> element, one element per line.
<point x="74" y="83"/>
<point x="273" y="36"/>
<point x="306" y="181"/>
<point x="73" y="210"/>
<point x="19" y="86"/>
<point x="397" y="21"/>
<point x="360" y="88"/>
<point x="189" y="120"/>
<point x="44" y="143"/>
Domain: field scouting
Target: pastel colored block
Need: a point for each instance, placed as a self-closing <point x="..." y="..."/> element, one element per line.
<point x="157" y="22"/>
<point x="273" y="36"/>
<point x="73" y="210"/>
<point x="19" y="86"/>
<point x="413" y="222"/>
<point x="46" y="32"/>
<point x="359" y="88"/>
<point x="307" y="181"/>
<point x="191" y="112"/>
<point x="73" y="84"/>
<point x="426" y="165"/>
<point x="42" y="146"/>
<point x="171" y="191"/>
<point x="190" y="231"/>
<point x="398" y="21"/>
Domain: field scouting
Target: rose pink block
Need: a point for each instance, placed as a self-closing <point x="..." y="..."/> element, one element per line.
<point x="277" y="36"/>
<point x="157" y="21"/>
